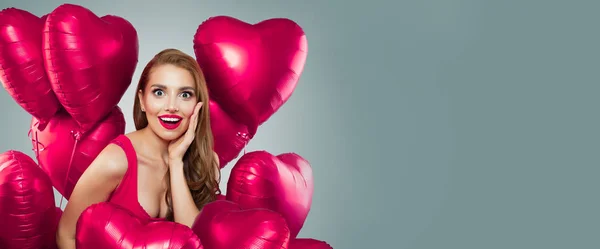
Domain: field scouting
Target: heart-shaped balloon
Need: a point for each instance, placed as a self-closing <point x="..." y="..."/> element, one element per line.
<point x="308" y="244"/>
<point x="90" y="61"/>
<point x="59" y="146"/>
<point x="221" y="197"/>
<point x="251" y="70"/>
<point x="282" y="183"/>
<point x="22" y="69"/>
<point x="27" y="211"/>
<point x="224" y="225"/>
<point x="229" y="136"/>
<point x="108" y="226"/>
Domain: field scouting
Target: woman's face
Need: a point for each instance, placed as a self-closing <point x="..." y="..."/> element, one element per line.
<point x="168" y="101"/>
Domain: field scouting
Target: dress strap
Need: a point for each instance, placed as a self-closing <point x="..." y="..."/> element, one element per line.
<point x="125" y="144"/>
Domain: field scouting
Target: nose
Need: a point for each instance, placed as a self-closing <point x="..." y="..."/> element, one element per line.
<point x="172" y="105"/>
<point x="172" y="109"/>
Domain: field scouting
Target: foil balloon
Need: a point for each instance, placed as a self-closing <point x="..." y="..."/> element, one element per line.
<point x="27" y="211"/>
<point x="90" y="61"/>
<point x="223" y="225"/>
<point x="308" y="244"/>
<point x="230" y="137"/>
<point x="221" y="197"/>
<point x="282" y="183"/>
<point x="251" y="69"/>
<point x="22" y="71"/>
<point x="64" y="153"/>
<point x="105" y="225"/>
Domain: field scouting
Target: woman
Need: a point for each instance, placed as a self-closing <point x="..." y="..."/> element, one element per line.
<point x="166" y="169"/>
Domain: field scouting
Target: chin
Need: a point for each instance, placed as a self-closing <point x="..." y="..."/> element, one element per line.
<point x="166" y="134"/>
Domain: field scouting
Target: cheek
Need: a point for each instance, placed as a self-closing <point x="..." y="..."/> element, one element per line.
<point x="188" y="108"/>
<point x="153" y="107"/>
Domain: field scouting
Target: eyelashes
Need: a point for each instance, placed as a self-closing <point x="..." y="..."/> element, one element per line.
<point x="157" y="91"/>
<point x="184" y="94"/>
<point x="188" y="93"/>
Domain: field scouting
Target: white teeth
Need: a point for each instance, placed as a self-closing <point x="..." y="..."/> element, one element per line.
<point x="170" y="119"/>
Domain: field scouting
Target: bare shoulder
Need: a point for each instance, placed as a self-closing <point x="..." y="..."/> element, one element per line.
<point x="95" y="185"/>
<point x="111" y="162"/>
<point x="101" y="177"/>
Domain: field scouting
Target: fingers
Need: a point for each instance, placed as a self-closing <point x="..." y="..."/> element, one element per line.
<point x="196" y="114"/>
<point x="195" y="123"/>
<point x="197" y="108"/>
<point x="191" y="132"/>
<point x="192" y="126"/>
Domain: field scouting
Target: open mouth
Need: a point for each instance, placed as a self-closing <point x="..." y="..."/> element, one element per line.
<point x="170" y="122"/>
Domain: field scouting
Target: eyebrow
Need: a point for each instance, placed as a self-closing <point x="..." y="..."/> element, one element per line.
<point x="189" y="88"/>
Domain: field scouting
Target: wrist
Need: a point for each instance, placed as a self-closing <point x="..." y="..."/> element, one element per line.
<point x="175" y="163"/>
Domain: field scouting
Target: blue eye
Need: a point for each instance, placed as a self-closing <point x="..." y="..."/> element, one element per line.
<point x="186" y="95"/>
<point x="158" y="92"/>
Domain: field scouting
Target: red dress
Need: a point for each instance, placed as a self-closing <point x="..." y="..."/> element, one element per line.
<point x="126" y="194"/>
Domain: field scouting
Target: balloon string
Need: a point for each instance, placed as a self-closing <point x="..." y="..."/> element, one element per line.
<point x="76" y="136"/>
<point x="37" y="148"/>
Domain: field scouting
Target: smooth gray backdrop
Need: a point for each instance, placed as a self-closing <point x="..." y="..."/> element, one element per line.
<point x="428" y="124"/>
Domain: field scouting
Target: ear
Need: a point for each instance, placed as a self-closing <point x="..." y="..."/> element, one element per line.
<point x="141" y="99"/>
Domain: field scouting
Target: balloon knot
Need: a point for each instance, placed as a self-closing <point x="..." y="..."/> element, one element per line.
<point x="243" y="135"/>
<point x="35" y="140"/>
<point x="76" y="135"/>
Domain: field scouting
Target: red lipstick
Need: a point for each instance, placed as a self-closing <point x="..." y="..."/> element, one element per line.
<point x="170" y="121"/>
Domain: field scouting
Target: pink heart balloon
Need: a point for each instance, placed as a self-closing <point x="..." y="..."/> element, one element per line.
<point x="105" y="225"/>
<point x="56" y="145"/>
<point x="223" y="225"/>
<point x="251" y="70"/>
<point x="27" y="211"/>
<point x="90" y="61"/>
<point x="22" y="64"/>
<point x="229" y="136"/>
<point x="282" y="183"/>
<point x="308" y="244"/>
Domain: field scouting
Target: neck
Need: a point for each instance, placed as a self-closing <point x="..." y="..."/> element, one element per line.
<point x="153" y="145"/>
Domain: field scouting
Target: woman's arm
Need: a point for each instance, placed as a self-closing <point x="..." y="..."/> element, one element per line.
<point x="94" y="186"/>
<point x="184" y="207"/>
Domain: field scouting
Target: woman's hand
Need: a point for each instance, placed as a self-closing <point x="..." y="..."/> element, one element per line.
<point x="177" y="148"/>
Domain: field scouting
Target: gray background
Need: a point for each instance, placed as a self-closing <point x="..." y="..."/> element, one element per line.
<point x="428" y="124"/>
